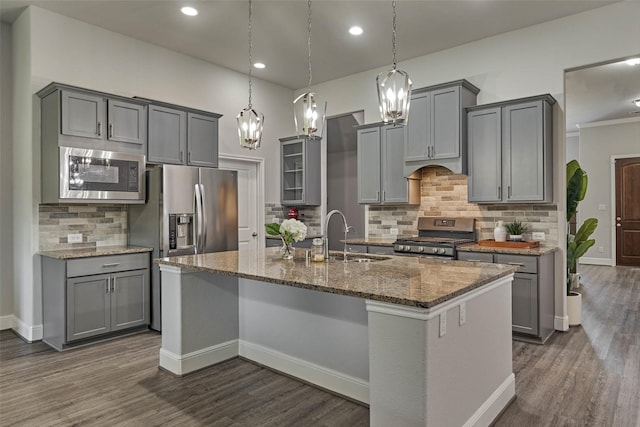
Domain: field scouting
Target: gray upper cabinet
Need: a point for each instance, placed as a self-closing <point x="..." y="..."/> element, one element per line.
<point x="167" y="135"/>
<point x="182" y="136"/>
<point x="381" y="177"/>
<point x="300" y="171"/>
<point x="436" y="133"/>
<point x="510" y="151"/>
<point x="82" y="118"/>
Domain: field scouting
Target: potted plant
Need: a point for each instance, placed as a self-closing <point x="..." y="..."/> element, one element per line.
<point x="578" y="244"/>
<point x="515" y="229"/>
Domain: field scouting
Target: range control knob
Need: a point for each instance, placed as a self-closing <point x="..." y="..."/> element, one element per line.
<point x="434" y="250"/>
<point x="407" y="248"/>
<point x="441" y="251"/>
<point x="398" y="247"/>
<point x="420" y="249"/>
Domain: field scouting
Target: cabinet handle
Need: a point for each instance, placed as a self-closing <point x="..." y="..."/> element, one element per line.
<point x="519" y="264"/>
<point x="113" y="284"/>
<point x="384" y="195"/>
<point x="99" y="129"/>
<point x="110" y="130"/>
<point x="112" y="264"/>
<point x="378" y="195"/>
<point x="108" y="284"/>
<point x="499" y="192"/>
<point x="509" y="191"/>
<point x="189" y="157"/>
<point x="180" y="155"/>
<point x="474" y="260"/>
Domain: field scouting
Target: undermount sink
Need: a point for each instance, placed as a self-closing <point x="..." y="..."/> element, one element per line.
<point x="351" y="257"/>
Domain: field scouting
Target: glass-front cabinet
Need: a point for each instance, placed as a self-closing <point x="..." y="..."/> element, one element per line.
<point x="300" y="177"/>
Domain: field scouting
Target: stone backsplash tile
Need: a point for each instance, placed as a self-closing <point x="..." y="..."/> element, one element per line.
<point x="310" y="216"/>
<point x="443" y="193"/>
<point x="100" y="225"/>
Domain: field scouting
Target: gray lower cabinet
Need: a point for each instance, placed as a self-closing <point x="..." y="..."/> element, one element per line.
<point x="93" y="297"/>
<point x="510" y="147"/>
<point x="532" y="294"/>
<point x="380" y="161"/>
<point x="300" y="171"/>
<point x="182" y="136"/>
<point x="436" y="133"/>
<point x="93" y="120"/>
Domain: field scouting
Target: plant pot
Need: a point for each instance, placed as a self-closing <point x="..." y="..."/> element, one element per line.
<point x="574" y="308"/>
<point x="515" y="237"/>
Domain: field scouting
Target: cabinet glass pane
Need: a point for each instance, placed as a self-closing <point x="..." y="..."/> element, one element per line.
<point x="293" y="171"/>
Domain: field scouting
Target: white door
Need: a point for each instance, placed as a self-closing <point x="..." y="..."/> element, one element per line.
<point x="249" y="213"/>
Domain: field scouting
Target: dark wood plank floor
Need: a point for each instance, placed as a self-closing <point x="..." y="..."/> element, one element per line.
<point x="589" y="376"/>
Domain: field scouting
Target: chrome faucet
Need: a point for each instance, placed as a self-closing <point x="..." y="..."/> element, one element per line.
<point x="326" y="233"/>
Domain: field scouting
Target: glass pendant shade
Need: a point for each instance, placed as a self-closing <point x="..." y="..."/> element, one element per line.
<point x="308" y="115"/>
<point x="250" y="128"/>
<point x="394" y="96"/>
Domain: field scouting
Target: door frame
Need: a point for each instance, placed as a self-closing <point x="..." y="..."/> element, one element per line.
<point x="613" y="203"/>
<point x="258" y="162"/>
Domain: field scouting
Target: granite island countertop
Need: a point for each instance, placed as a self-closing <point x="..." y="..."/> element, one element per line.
<point x="372" y="241"/>
<point x="95" y="251"/>
<point x="474" y="247"/>
<point x="411" y="281"/>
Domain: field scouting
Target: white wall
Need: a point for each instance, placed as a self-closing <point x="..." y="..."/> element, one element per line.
<point x="6" y="160"/>
<point x="521" y="63"/>
<point x="598" y="143"/>
<point x="50" y="47"/>
<point x="573" y="146"/>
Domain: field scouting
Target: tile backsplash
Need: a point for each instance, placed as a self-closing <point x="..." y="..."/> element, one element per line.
<point x="310" y="216"/>
<point x="100" y="225"/>
<point x="443" y="193"/>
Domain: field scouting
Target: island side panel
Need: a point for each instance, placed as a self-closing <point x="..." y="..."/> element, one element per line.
<point x="316" y="336"/>
<point x="419" y="377"/>
<point x="199" y="319"/>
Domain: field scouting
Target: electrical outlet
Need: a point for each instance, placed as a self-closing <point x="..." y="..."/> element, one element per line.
<point x="443" y="323"/>
<point x="602" y="207"/>
<point x="74" y="238"/>
<point x="601" y="249"/>
<point x="463" y="313"/>
<point x="393" y="231"/>
<point x="538" y="235"/>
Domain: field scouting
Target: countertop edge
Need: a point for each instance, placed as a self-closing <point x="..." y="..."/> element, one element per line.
<point x="474" y="247"/>
<point x="93" y="252"/>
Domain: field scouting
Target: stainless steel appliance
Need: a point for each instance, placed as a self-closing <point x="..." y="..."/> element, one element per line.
<point x="100" y="175"/>
<point x="189" y="210"/>
<point x="438" y="237"/>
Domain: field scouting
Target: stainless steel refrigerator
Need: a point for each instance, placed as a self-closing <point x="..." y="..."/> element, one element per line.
<point x="188" y="210"/>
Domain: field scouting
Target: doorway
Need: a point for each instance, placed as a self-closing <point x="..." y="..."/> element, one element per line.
<point x="250" y="203"/>
<point x="627" y="204"/>
<point x="342" y="177"/>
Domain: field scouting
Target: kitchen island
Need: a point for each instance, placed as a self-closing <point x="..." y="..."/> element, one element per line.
<point x="422" y="341"/>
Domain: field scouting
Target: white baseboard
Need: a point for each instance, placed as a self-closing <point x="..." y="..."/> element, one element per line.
<point x="597" y="261"/>
<point x="190" y="362"/>
<point x="29" y="333"/>
<point x="7" y="322"/>
<point x="561" y="323"/>
<point x="329" y="379"/>
<point x="494" y="405"/>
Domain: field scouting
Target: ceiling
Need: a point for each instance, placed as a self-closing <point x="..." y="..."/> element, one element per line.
<point x="219" y="35"/>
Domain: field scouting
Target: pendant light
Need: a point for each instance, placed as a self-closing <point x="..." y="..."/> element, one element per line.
<point x="394" y="88"/>
<point x="249" y="121"/>
<point x="308" y="111"/>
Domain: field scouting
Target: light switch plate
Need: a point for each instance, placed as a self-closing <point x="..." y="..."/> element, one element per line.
<point x="538" y="235"/>
<point x="74" y="238"/>
<point x="602" y="207"/>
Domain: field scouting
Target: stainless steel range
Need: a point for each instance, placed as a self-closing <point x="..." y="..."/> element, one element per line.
<point x="438" y="237"/>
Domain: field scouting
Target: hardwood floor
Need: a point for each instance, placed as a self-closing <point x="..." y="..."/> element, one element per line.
<point x="589" y="376"/>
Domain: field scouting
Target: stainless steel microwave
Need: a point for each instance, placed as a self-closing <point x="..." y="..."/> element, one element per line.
<point x="95" y="175"/>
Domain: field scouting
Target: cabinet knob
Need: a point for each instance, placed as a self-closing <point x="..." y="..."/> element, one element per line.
<point x="110" y="130"/>
<point x="254" y="234"/>
<point x="99" y="129"/>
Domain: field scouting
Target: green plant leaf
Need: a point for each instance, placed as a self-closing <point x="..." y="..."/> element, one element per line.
<point x="576" y="190"/>
<point x="586" y="229"/>
<point x="272" y="229"/>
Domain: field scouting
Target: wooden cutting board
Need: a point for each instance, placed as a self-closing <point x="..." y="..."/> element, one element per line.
<point x="508" y="244"/>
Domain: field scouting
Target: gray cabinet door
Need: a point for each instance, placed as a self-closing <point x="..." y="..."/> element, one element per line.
<point x="127" y="122"/>
<point x="82" y="115"/>
<point x="88" y="306"/>
<point x="484" y="155"/>
<point x="524" y="303"/>
<point x="368" y="146"/>
<point x="130" y="299"/>
<point x="445" y="120"/>
<point x="167" y="135"/>
<point x="293" y="172"/>
<point x="394" y="183"/>
<point x="523" y="156"/>
<point x="202" y="140"/>
<point x="418" y="129"/>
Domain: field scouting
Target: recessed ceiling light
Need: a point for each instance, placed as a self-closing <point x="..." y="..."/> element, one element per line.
<point x="636" y="102"/>
<point x="355" y="30"/>
<point x="633" y="61"/>
<point x="259" y="65"/>
<point x="189" y="11"/>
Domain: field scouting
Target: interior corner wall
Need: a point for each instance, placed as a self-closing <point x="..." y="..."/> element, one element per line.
<point x="6" y="170"/>
<point x="525" y="62"/>
<point x="573" y="147"/>
<point x="597" y="145"/>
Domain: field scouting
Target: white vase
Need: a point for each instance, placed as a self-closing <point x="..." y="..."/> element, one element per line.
<point x="500" y="232"/>
<point x="574" y="308"/>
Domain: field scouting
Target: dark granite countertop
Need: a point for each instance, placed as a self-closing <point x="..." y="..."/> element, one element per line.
<point x="96" y="251"/>
<point x="474" y="247"/>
